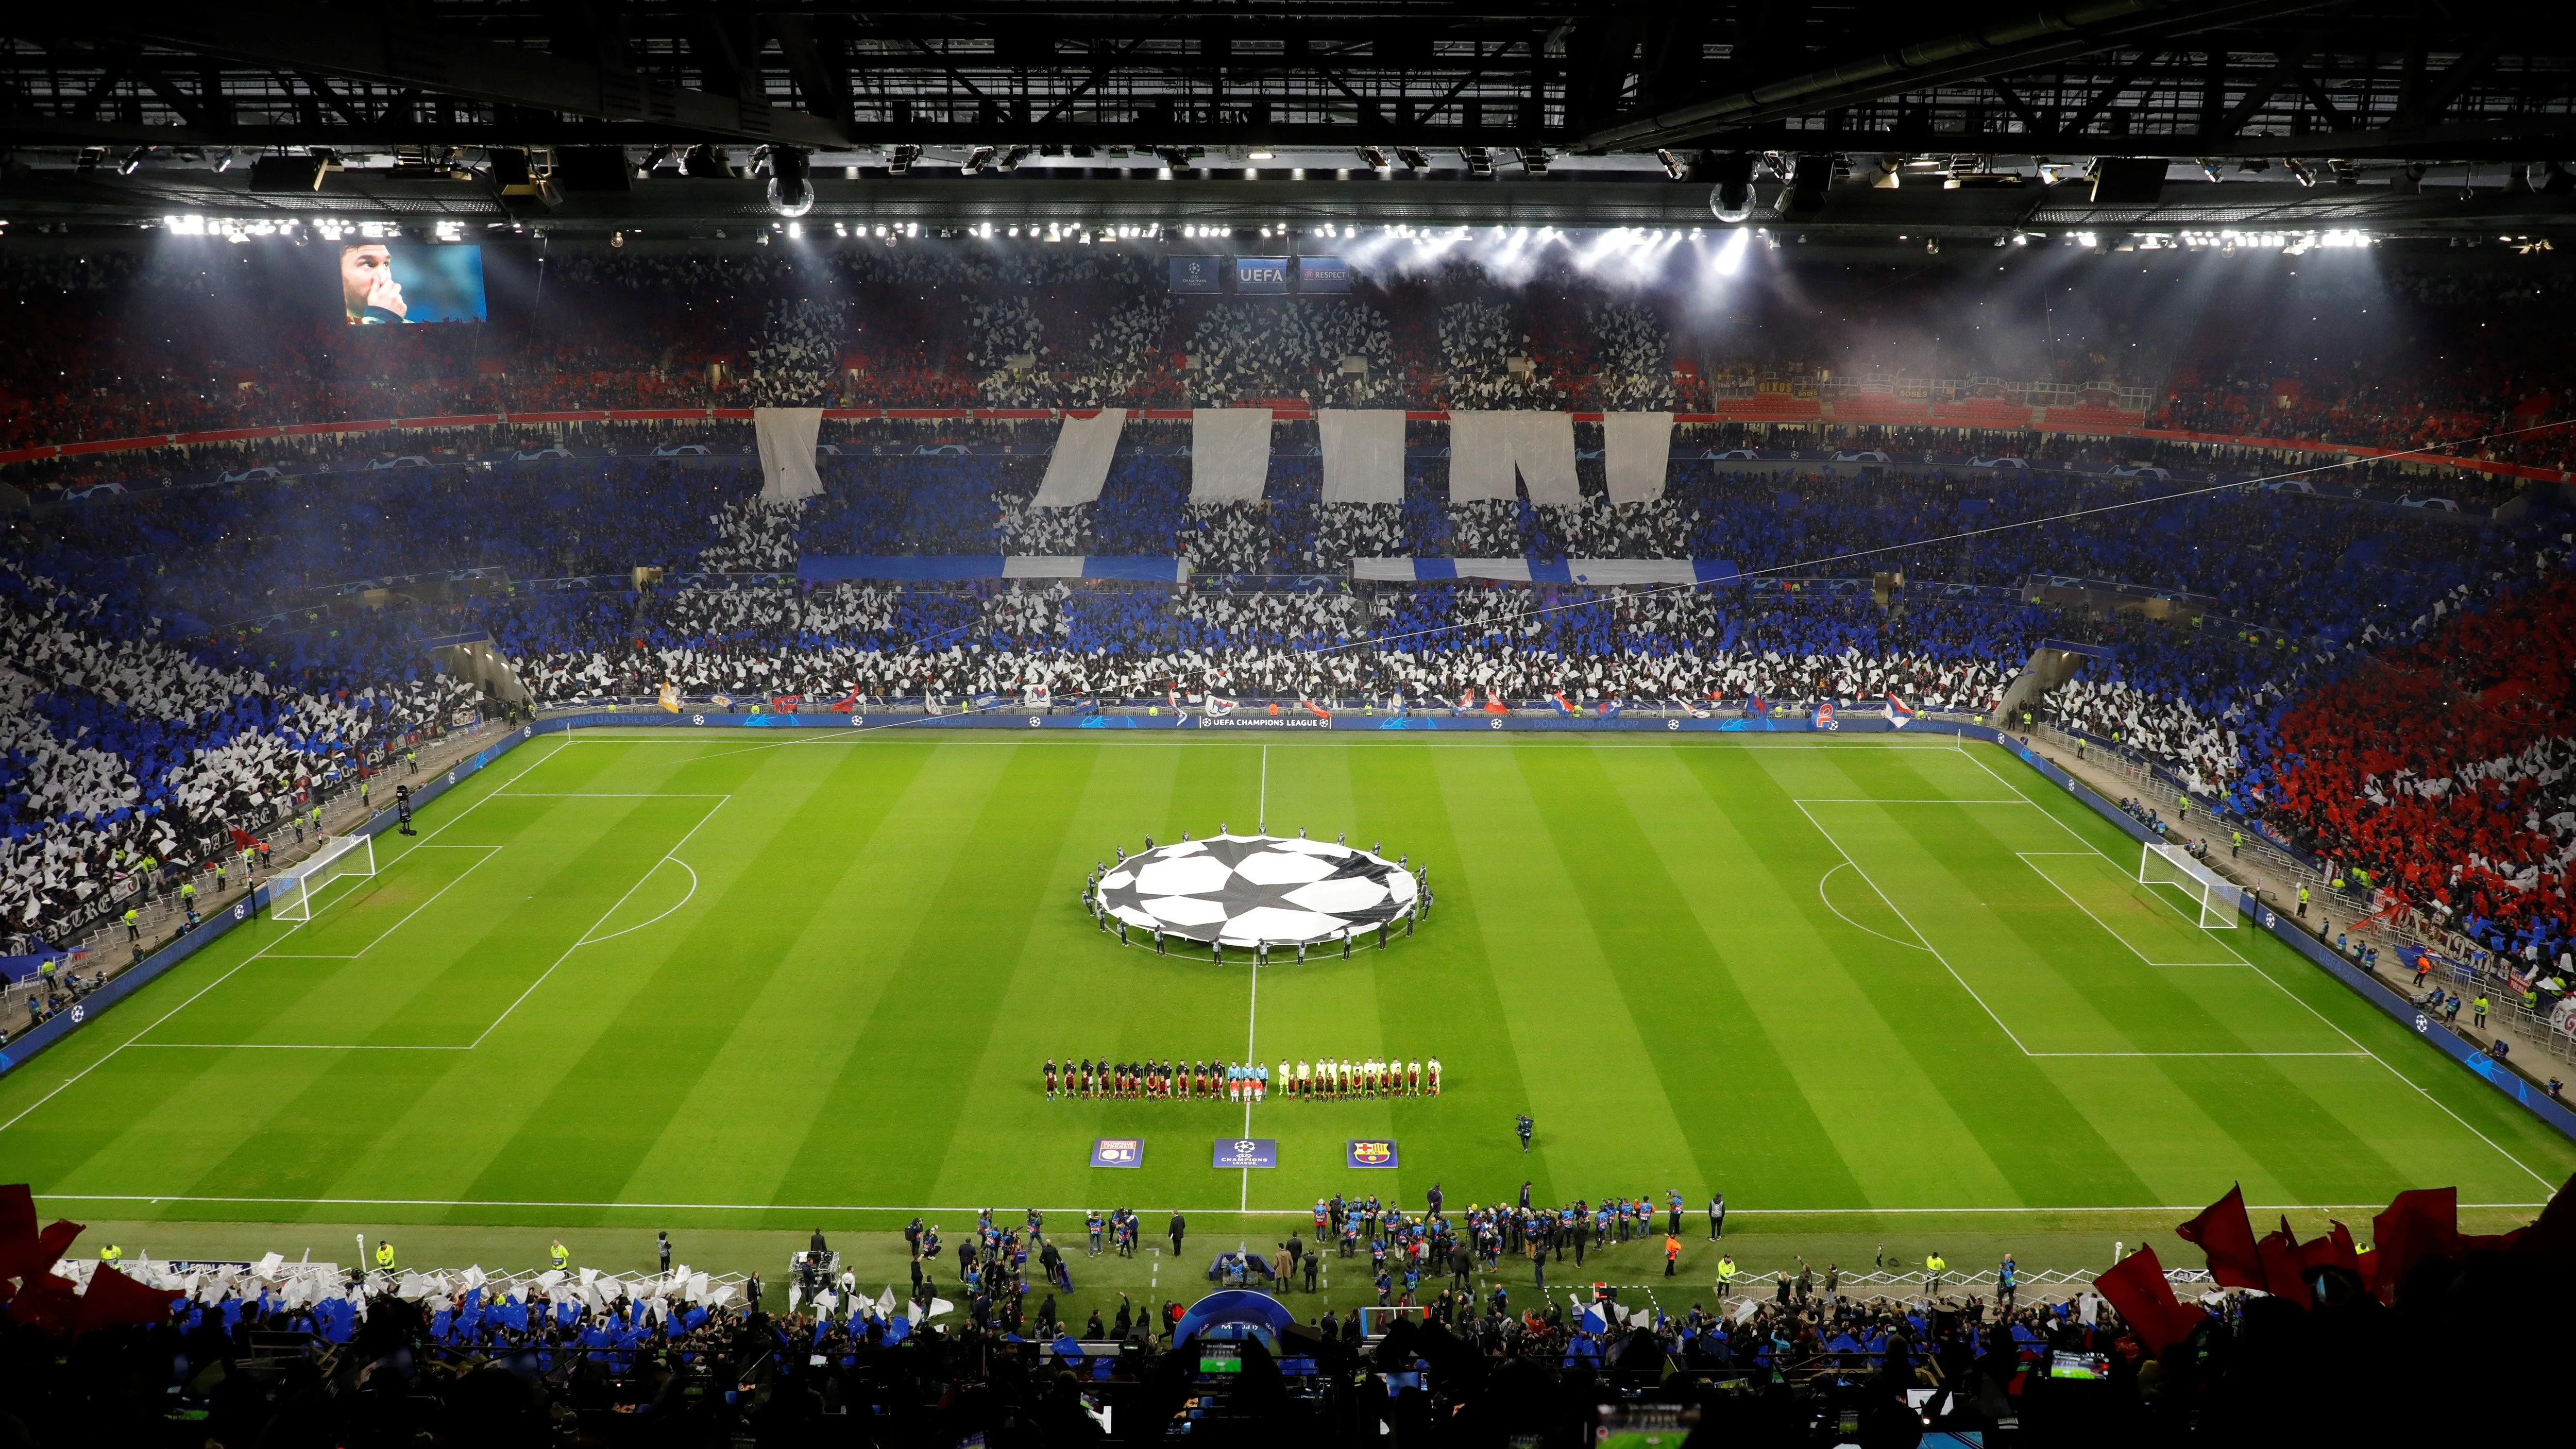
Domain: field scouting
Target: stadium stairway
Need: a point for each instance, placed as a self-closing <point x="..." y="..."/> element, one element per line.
<point x="2051" y="664"/>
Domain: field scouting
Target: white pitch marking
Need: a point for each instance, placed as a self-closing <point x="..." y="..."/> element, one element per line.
<point x="1909" y="925"/>
<point x="1880" y="800"/>
<point x="1251" y="1034"/>
<point x="289" y="1046"/>
<point x="1170" y="737"/>
<point x="489" y="851"/>
<point x="1297" y="1212"/>
<point x="603" y="918"/>
<point x="2105" y="925"/>
<point x="682" y="901"/>
<point x="1848" y="921"/>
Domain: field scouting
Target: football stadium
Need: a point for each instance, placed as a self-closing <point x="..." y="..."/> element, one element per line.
<point x="1070" y="723"/>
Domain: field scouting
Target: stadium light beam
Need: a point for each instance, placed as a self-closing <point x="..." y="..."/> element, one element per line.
<point x="1730" y="255"/>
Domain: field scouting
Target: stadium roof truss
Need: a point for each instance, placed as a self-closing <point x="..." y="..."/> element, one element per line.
<point x="1499" y="92"/>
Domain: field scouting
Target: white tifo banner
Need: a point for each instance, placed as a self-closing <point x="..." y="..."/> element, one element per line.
<point x="1637" y="450"/>
<point x="1229" y="454"/>
<point x="1079" y="465"/>
<point x="1363" y="454"/>
<point x="1487" y="449"/>
<point x="787" y="437"/>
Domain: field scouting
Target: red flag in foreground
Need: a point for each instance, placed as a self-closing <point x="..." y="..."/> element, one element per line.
<point x="2418" y="1225"/>
<point x="17" y="1214"/>
<point x="2223" y="1234"/>
<point x="28" y="1257"/>
<point x="47" y="1303"/>
<point x="2282" y="1265"/>
<point x="116" y="1301"/>
<point x="2334" y="1250"/>
<point x="2136" y="1286"/>
<point x="1317" y="710"/>
<point x="24" y="1252"/>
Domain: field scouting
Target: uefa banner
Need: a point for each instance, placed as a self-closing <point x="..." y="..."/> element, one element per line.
<point x="1247" y="1152"/>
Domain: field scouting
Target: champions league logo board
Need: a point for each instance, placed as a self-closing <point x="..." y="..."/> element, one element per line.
<point x="1247" y="1152"/>
<point x="1257" y="890"/>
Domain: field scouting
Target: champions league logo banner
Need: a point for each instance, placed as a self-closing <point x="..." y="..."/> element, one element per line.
<point x="1118" y="1152"/>
<point x="1248" y="890"/>
<point x="1371" y="1152"/>
<point x="1247" y="1152"/>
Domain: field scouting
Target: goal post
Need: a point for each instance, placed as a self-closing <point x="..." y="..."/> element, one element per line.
<point x="293" y="891"/>
<point x="2218" y="899"/>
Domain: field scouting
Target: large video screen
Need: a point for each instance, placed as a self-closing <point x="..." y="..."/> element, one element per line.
<point x="383" y="283"/>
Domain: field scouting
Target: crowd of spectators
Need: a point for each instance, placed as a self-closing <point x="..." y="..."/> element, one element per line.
<point x="1471" y="1347"/>
<point x="2446" y="770"/>
<point x="184" y="336"/>
<point x="127" y="758"/>
<point x="282" y="603"/>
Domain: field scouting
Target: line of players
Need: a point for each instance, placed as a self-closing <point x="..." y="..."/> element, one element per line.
<point x="1238" y="1082"/>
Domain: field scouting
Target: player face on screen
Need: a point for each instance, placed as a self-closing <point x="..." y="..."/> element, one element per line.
<point x="368" y="290"/>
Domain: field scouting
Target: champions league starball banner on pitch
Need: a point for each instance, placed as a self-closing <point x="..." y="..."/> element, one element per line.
<point x="1256" y="890"/>
<point x="1247" y="1152"/>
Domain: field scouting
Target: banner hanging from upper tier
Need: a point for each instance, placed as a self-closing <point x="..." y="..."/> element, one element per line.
<point x="787" y="437"/>
<point x="1229" y="454"/>
<point x="1363" y="454"/>
<point x="1080" y="463"/>
<point x="1636" y="450"/>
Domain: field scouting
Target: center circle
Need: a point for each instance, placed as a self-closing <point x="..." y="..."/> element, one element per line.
<point x="1257" y="890"/>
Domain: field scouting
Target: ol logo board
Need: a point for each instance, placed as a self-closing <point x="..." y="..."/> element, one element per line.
<point x="1118" y="1152"/>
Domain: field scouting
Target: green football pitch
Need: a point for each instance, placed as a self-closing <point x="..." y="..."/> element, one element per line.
<point x="672" y="978"/>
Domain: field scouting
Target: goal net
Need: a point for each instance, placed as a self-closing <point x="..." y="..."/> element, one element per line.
<point x="292" y="893"/>
<point x="2218" y="899"/>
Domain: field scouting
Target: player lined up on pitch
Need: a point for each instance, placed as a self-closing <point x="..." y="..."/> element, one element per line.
<point x="1239" y="1082"/>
